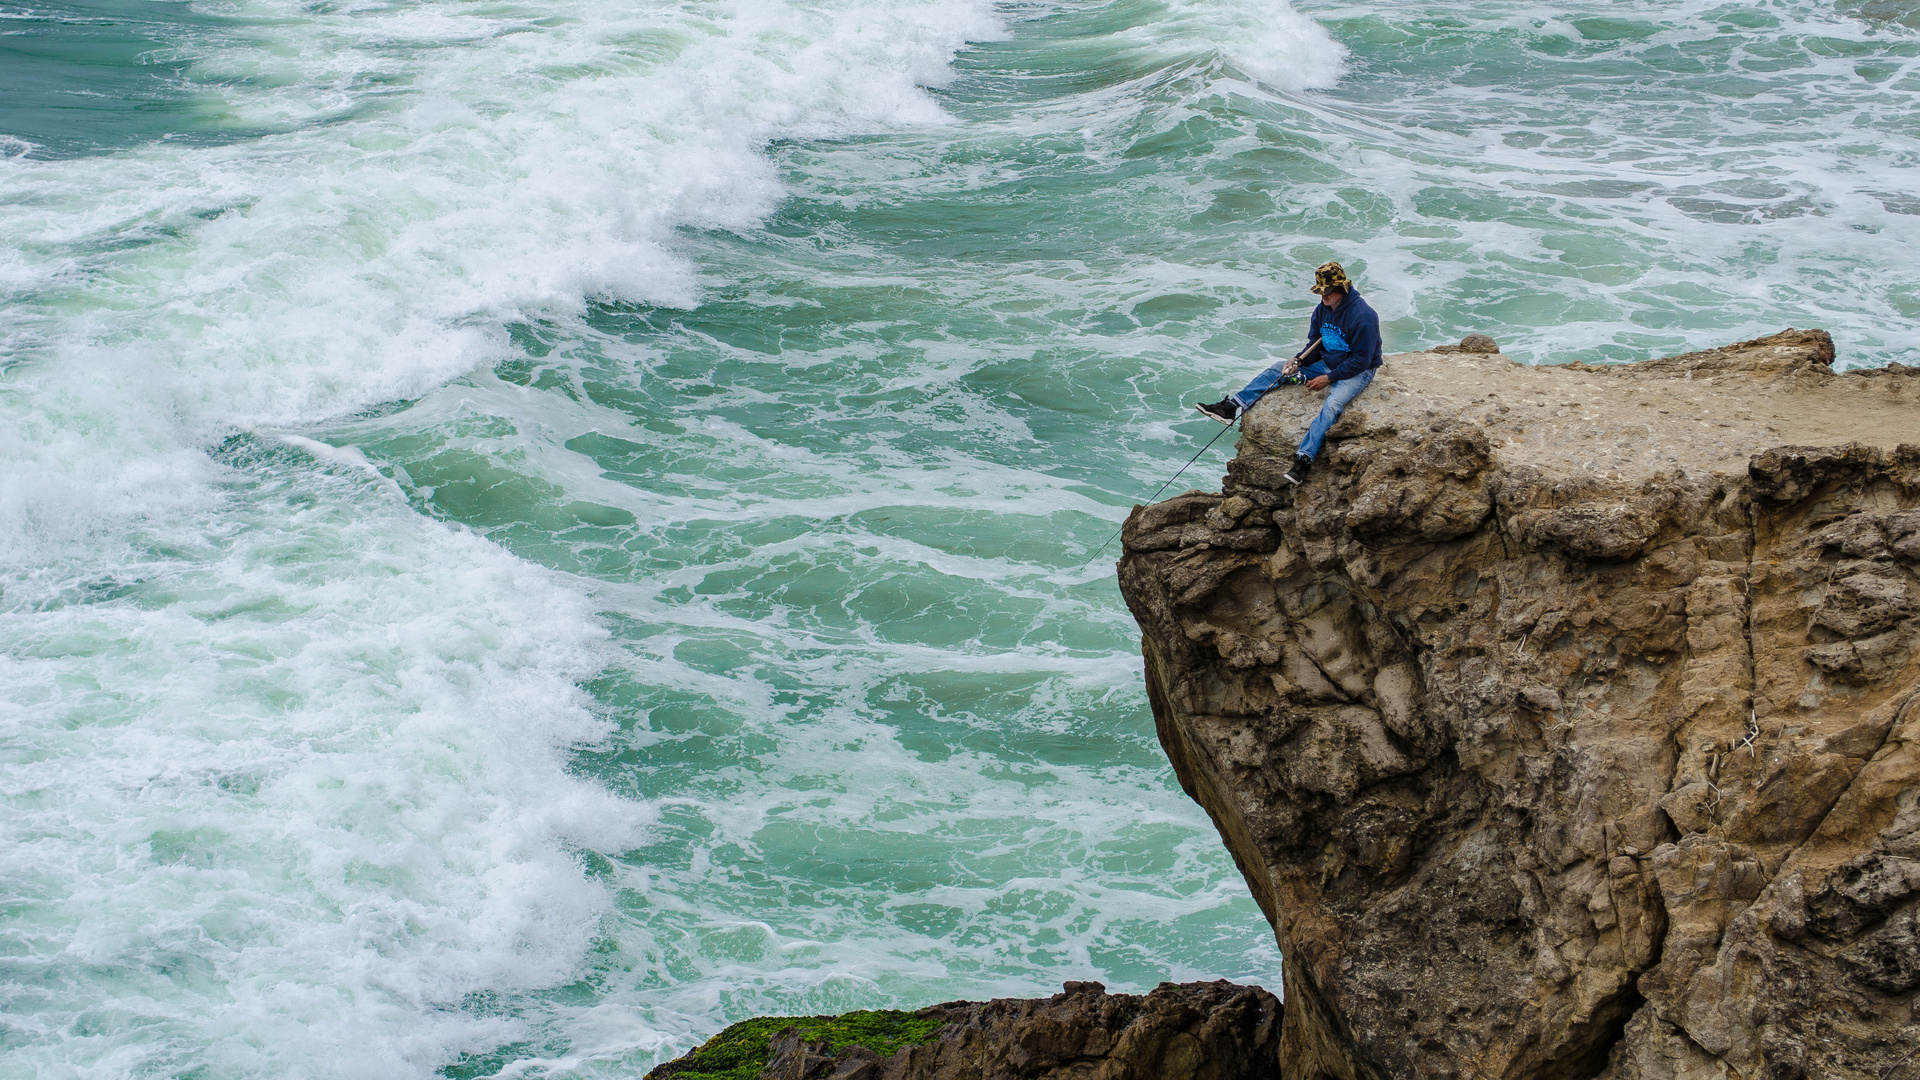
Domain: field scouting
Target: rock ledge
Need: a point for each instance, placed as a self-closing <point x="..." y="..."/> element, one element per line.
<point x="1563" y="723"/>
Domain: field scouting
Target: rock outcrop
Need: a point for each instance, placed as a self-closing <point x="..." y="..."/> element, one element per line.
<point x="1564" y="722"/>
<point x="1188" y="1031"/>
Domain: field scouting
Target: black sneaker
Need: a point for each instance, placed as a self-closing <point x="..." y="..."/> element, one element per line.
<point x="1224" y="410"/>
<point x="1298" y="473"/>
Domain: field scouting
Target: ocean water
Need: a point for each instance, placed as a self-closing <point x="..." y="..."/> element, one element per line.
<point x="529" y="532"/>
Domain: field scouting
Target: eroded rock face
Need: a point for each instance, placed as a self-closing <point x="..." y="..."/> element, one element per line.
<point x="1553" y="740"/>
<point x="1190" y="1031"/>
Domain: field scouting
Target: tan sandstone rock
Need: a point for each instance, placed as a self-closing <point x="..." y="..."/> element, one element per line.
<point x="1564" y="722"/>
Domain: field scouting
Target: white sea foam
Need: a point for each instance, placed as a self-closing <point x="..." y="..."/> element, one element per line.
<point x="823" y="856"/>
<point x="1658" y="177"/>
<point x="286" y="764"/>
<point x="1266" y="39"/>
<point x="266" y="785"/>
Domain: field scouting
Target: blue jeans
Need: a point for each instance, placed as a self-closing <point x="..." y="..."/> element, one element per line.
<point x="1339" y="396"/>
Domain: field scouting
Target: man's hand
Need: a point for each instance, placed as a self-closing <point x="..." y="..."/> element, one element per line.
<point x="1318" y="382"/>
<point x="1292" y="367"/>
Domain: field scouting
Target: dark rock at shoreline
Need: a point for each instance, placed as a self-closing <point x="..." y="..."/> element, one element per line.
<point x="1185" y="1031"/>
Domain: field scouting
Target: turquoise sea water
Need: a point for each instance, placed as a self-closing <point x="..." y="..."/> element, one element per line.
<point x="529" y="531"/>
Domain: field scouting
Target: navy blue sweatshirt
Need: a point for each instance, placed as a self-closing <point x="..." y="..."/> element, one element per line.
<point x="1349" y="337"/>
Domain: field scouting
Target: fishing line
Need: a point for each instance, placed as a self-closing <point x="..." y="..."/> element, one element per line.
<point x="1163" y="487"/>
<point x="1304" y="356"/>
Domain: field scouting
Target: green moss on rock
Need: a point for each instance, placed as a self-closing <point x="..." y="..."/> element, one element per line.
<point x="741" y="1051"/>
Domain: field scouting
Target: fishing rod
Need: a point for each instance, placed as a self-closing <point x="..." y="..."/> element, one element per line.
<point x="1298" y="358"/>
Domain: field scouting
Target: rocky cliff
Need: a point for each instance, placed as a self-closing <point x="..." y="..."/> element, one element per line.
<point x="1564" y="722"/>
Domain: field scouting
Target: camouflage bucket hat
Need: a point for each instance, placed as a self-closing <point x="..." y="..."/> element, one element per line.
<point x="1330" y="276"/>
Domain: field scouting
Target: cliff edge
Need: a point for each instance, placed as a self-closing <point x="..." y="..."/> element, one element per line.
<point x="1563" y="723"/>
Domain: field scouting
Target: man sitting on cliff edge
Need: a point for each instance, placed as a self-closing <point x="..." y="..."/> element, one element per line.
<point x="1348" y="332"/>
